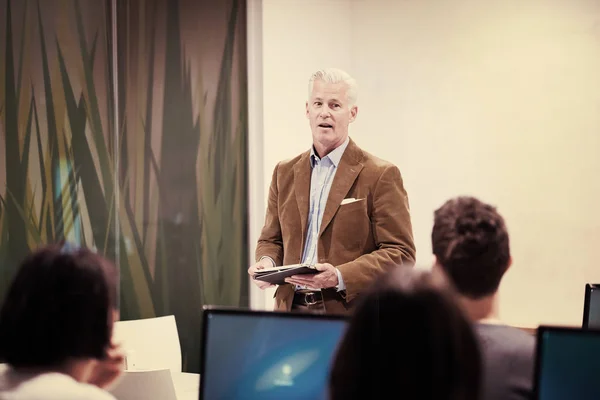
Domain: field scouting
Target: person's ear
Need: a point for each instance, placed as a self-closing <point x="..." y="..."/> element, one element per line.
<point x="353" y="113"/>
<point x="307" y="113"/>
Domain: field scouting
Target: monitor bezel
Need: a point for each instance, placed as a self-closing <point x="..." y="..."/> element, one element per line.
<point x="586" y="303"/>
<point x="542" y="329"/>
<point x="223" y="310"/>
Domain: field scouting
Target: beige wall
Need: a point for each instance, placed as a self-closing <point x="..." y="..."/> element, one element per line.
<point x="498" y="99"/>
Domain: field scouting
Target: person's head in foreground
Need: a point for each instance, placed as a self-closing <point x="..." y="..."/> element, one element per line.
<point x="408" y="338"/>
<point x="470" y="243"/>
<point x="57" y="318"/>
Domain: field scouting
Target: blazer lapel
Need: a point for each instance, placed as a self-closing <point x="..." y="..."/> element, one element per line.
<point x="302" y="173"/>
<point x="348" y="170"/>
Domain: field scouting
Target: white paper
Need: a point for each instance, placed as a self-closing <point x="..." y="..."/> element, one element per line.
<point x="150" y="344"/>
<point x="145" y="385"/>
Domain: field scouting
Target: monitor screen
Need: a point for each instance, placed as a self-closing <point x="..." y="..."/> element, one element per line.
<point x="591" y="317"/>
<point x="568" y="363"/>
<point x="267" y="355"/>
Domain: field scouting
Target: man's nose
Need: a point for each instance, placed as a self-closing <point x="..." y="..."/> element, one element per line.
<point x="325" y="113"/>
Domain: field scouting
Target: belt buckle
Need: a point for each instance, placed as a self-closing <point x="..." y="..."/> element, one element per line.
<point x="312" y="300"/>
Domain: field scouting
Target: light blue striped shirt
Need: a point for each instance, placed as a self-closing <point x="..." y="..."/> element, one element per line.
<point x="323" y="172"/>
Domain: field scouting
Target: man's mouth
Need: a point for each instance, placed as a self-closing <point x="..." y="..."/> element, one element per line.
<point x="325" y="125"/>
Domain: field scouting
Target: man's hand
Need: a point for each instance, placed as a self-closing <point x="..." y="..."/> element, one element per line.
<point x="327" y="278"/>
<point x="109" y="369"/>
<point x="262" y="264"/>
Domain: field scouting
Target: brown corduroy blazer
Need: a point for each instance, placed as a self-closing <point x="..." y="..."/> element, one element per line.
<point x="362" y="238"/>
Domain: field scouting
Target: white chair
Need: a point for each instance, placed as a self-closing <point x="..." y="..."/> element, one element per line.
<point x="150" y="344"/>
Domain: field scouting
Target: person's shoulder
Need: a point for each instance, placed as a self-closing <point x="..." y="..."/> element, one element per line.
<point x="288" y="164"/>
<point x="373" y="162"/>
<point x="376" y="169"/>
<point x="507" y="338"/>
<point x="55" y="386"/>
<point x="92" y="392"/>
<point x="77" y="390"/>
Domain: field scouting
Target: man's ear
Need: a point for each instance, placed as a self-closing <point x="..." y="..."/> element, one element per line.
<point x="307" y="114"/>
<point x="509" y="263"/>
<point x="353" y="113"/>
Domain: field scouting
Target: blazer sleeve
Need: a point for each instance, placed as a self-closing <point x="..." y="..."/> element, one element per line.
<point x="270" y="242"/>
<point x="392" y="231"/>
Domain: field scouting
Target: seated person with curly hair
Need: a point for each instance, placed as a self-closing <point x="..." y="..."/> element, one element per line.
<point x="470" y="243"/>
<point x="56" y="327"/>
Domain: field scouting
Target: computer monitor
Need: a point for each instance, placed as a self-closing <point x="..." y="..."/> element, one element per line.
<point x="567" y="363"/>
<point x="267" y="355"/>
<point x="591" y="306"/>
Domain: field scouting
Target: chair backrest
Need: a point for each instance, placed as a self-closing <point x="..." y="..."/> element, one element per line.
<point x="151" y="343"/>
<point x="144" y="385"/>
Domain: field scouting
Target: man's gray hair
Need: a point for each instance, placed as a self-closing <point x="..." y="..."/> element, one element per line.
<point x="335" y="75"/>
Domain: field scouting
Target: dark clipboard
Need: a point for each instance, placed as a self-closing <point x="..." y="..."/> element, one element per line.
<point x="277" y="275"/>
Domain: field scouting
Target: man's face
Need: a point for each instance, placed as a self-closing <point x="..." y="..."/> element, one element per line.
<point x="329" y="113"/>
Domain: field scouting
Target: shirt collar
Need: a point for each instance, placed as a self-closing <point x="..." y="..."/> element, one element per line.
<point x="335" y="156"/>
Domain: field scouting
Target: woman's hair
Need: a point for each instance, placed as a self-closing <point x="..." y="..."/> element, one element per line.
<point x="408" y="339"/>
<point x="59" y="306"/>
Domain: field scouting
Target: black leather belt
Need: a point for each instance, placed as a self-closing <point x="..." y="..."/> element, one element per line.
<point x="307" y="297"/>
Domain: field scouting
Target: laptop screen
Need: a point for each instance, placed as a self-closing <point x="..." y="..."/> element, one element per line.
<point x="567" y="365"/>
<point x="591" y="309"/>
<point x="267" y="355"/>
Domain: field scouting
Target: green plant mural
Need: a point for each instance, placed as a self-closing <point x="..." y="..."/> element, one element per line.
<point x="145" y="162"/>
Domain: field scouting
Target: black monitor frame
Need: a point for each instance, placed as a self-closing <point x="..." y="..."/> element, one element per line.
<point x="213" y="310"/>
<point x="589" y="287"/>
<point x="542" y="329"/>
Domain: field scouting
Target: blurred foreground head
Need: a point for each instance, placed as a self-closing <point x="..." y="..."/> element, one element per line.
<point x="59" y="307"/>
<point x="408" y="336"/>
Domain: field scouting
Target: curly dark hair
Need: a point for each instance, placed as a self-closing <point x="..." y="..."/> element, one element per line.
<point x="470" y="241"/>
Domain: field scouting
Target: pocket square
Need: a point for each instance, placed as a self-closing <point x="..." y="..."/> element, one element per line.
<point x="349" y="200"/>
